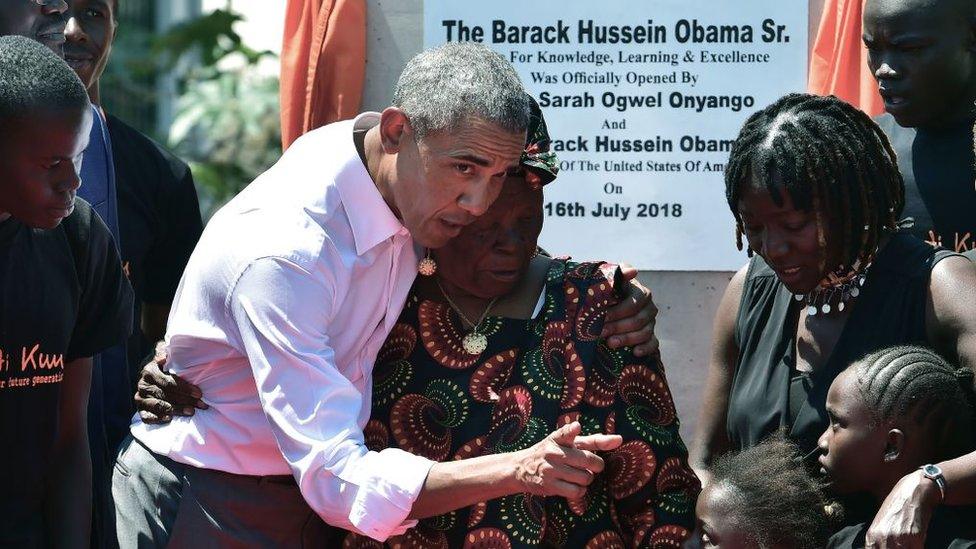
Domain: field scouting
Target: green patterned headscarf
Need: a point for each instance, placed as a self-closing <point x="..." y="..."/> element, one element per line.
<point x="539" y="163"/>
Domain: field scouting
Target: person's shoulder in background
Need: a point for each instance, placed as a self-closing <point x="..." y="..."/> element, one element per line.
<point x="131" y="146"/>
<point x="159" y="211"/>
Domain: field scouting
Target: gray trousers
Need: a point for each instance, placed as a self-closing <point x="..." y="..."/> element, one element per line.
<point x="162" y="503"/>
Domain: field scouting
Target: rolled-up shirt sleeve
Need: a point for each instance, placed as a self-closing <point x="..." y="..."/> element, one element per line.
<point x="284" y="315"/>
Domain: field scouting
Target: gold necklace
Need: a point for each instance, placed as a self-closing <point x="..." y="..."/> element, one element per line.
<point x="474" y="342"/>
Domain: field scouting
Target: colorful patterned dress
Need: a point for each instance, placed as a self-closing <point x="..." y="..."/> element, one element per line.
<point x="433" y="399"/>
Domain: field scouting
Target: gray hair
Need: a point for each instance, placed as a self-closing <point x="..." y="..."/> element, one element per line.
<point x="442" y="86"/>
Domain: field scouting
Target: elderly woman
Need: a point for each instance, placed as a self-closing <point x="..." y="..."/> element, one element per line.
<point x="814" y="188"/>
<point x="500" y="346"/>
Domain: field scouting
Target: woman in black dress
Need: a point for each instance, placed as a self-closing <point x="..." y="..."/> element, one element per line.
<point x="815" y="189"/>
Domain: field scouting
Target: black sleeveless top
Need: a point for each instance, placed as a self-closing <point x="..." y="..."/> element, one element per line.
<point x="889" y="311"/>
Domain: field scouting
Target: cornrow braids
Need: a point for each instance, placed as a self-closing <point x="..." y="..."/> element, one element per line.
<point x="775" y="498"/>
<point x="832" y="160"/>
<point x="914" y="383"/>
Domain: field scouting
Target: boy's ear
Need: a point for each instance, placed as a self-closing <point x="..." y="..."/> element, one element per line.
<point x="894" y="445"/>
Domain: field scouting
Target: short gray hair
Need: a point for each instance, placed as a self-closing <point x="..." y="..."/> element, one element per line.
<point x="442" y="86"/>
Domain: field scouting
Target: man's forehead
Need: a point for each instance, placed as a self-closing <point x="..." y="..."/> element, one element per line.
<point x="914" y="12"/>
<point x="486" y="147"/>
<point x="487" y="136"/>
<point x="41" y="120"/>
<point x="111" y="4"/>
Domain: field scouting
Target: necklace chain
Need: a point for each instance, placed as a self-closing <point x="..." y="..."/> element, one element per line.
<point x="474" y="326"/>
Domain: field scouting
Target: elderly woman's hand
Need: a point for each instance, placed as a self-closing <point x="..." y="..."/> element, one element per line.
<point x="161" y="395"/>
<point x="564" y="463"/>
<point x="903" y="519"/>
<point x="631" y="322"/>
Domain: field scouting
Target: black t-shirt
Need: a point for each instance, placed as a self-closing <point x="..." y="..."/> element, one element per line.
<point x="940" y="181"/>
<point x="159" y="222"/>
<point x="950" y="528"/>
<point x="62" y="297"/>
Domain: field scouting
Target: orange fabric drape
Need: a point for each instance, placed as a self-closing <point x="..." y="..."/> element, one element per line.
<point x="323" y="64"/>
<point x="839" y="61"/>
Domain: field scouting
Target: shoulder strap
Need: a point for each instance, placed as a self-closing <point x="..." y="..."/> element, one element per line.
<point x="746" y="297"/>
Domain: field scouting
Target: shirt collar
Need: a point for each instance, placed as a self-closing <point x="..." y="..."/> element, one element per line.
<point x="370" y="217"/>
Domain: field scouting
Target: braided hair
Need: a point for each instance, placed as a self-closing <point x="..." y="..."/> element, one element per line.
<point x="914" y="383"/>
<point x="831" y="159"/>
<point x="776" y="500"/>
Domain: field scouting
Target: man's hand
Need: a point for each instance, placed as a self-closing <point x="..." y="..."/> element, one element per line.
<point x="903" y="519"/>
<point x="563" y="464"/>
<point x="161" y="395"/>
<point x="631" y="322"/>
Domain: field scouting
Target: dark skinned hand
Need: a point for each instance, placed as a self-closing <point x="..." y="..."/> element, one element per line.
<point x="161" y="395"/>
<point x="631" y="322"/>
<point x="903" y="519"/>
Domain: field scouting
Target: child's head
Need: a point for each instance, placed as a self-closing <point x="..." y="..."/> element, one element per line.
<point x="890" y="413"/>
<point x="763" y="498"/>
<point x="44" y="124"/>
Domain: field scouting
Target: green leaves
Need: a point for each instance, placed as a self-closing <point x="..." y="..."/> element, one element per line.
<point x="227" y="122"/>
<point x="211" y="37"/>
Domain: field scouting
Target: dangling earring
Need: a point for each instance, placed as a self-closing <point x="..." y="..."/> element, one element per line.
<point x="427" y="266"/>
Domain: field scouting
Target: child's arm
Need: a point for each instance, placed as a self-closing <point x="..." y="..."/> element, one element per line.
<point x="68" y="497"/>
<point x="950" y="320"/>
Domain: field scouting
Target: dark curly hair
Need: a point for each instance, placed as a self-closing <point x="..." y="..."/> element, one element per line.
<point x="777" y="501"/>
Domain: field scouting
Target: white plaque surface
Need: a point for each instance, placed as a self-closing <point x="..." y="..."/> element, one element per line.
<point x="642" y="99"/>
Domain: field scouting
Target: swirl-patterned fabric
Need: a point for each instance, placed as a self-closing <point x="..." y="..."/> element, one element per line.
<point x="432" y="398"/>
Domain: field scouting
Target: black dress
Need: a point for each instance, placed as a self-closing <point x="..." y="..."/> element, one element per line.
<point x="767" y="392"/>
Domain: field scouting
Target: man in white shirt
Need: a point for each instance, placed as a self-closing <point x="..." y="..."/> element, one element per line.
<point x="284" y="305"/>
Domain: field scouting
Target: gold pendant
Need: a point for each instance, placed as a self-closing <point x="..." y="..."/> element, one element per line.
<point x="427" y="267"/>
<point x="474" y="343"/>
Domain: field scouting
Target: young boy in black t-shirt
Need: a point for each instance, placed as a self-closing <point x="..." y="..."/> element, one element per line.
<point x="63" y="298"/>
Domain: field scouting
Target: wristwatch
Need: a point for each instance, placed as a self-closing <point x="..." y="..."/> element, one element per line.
<point x="934" y="473"/>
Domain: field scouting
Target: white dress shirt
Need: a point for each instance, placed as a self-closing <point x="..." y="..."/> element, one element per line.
<point x="280" y="314"/>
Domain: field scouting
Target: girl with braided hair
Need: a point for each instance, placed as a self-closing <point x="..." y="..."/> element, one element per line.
<point x="891" y="413"/>
<point x="815" y="192"/>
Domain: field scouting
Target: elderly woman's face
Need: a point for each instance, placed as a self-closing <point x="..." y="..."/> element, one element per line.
<point x="490" y="256"/>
